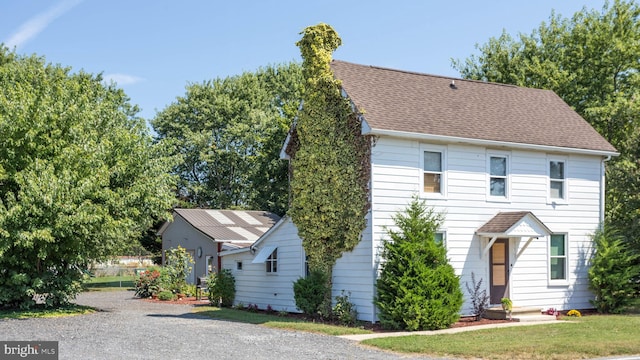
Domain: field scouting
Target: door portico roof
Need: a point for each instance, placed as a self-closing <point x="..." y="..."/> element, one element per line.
<point x="514" y="224"/>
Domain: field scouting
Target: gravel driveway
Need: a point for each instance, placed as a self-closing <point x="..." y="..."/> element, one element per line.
<point x="128" y="328"/>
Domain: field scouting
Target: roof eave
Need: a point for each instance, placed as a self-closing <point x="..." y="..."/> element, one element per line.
<point x="234" y="251"/>
<point x="483" y="142"/>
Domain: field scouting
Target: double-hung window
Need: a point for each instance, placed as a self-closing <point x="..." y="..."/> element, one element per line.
<point x="557" y="180"/>
<point x="558" y="258"/>
<point x="433" y="171"/>
<point x="498" y="181"/>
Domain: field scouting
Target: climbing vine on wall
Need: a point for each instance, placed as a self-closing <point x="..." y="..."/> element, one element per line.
<point x="330" y="159"/>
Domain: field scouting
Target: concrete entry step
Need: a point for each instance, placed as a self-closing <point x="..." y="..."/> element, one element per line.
<point x="524" y="313"/>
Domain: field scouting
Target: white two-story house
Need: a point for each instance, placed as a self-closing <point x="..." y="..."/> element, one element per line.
<point x="518" y="174"/>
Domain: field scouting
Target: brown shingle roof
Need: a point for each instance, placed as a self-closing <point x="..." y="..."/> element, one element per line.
<point x="229" y="225"/>
<point x="411" y="102"/>
<point x="502" y="222"/>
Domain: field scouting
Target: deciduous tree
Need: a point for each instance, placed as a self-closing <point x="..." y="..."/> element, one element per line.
<point x="591" y="61"/>
<point x="229" y="133"/>
<point x="79" y="178"/>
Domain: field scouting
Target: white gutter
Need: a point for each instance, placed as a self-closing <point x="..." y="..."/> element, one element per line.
<point x="481" y="142"/>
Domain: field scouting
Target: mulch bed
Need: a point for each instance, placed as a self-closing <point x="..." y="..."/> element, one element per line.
<point x="376" y="327"/>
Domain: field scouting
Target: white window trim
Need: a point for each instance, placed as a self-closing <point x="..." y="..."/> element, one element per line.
<point x="206" y="265"/>
<point x="507" y="185"/>
<point x="558" y="282"/>
<point x="443" y="177"/>
<point x="565" y="185"/>
<point x="270" y="262"/>
<point x="239" y="262"/>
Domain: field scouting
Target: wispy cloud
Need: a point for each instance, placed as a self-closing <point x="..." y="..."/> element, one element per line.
<point x="122" y="79"/>
<point x="38" y="23"/>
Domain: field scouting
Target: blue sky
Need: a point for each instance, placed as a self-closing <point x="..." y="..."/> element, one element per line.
<point x="154" y="48"/>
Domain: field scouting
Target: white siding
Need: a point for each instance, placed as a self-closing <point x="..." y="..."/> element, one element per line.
<point x="355" y="274"/>
<point x="396" y="177"/>
<point x="254" y="285"/>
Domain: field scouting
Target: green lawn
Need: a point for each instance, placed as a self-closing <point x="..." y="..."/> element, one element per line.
<point x="109" y="283"/>
<point x="41" y="312"/>
<point x="276" y="321"/>
<point x="587" y="337"/>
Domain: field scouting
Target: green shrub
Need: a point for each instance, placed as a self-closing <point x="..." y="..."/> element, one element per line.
<point x="613" y="273"/>
<point x="148" y="283"/>
<point x="344" y="310"/>
<point x="189" y="290"/>
<point x="222" y="288"/>
<point x="417" y="288"/>
<point x="177" y="266"/>
<point x="166" y="295"/>
<point x="309" y="293"/>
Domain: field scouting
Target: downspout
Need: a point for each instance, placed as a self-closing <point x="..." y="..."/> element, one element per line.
<point x="602" y="189"/>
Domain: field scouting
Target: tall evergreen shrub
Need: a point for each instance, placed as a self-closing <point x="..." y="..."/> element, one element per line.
<point x="418" y="288"/>
<point x="614" y="273"/>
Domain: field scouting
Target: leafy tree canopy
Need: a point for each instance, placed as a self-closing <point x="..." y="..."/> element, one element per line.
<point x="229" y="133"/>
<point x="591" y="61"/>
<point x="79" y="177"/>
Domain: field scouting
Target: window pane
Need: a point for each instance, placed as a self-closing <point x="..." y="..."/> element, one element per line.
<point x="557" y="189"/>
<point x="497" y="187"/>
<point x="499" y="166"/>
<point x="558" y="269"/>
<point x="432" y="161"/>
<point x="439" y="237"/>
<point x="557" y="245"/>
<point x="556" y="169"/>
<point x="498" y="275"/>
<point x="431" y="183"/>
<point x="498" y="253"/>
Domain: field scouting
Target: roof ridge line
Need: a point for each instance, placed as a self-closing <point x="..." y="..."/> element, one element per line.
<point x="439" y="76"/>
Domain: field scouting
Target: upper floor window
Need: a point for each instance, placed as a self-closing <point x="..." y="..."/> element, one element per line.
<point x="498" y="176"/>
<point x="272" y="262"/>
<point x="558" y="257"/>
<point x="557" y="179"/>
<point x="433" y="172"/>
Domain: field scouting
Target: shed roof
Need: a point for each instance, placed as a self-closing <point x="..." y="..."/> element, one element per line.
<point x="242" y="226"/>
<point x="403" y="102"/>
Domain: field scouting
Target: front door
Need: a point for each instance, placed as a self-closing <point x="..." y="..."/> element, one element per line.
<point x="499" y="268"/>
